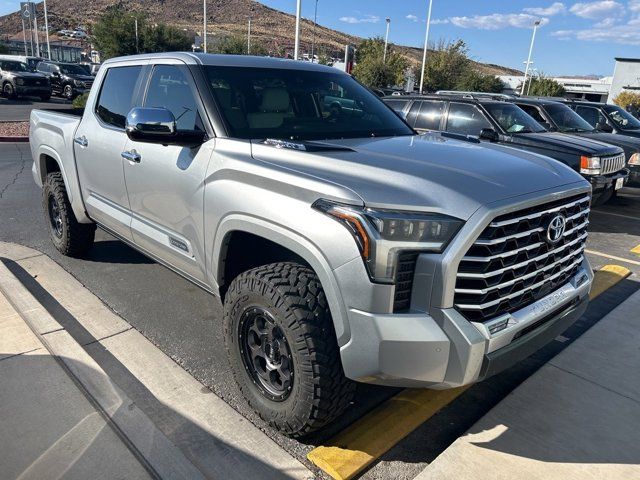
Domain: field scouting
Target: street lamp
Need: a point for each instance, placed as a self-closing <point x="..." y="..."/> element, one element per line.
<point x="249" y="38"/>
<point x="426" y="43"/>
<point x="297" y="44"/>
<point x="46" y="27"/>
<point x="386" y="40"/>
<point x="204" y="31"/>
<point x="313" y="39"/>
<point x="526" y="69"/>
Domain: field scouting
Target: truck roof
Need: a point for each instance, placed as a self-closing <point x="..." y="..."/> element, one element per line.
<point x="225" y="60"/>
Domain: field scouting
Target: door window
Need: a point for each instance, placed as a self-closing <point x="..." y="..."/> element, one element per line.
<point x="117" y="95"/>
<point x="430" y="115"/>
<point x="590" y="114"/>
<point x="397" y="105"/>
<point x="170" y="88"/>
<point x="466" y="119"/>
<point x="533" y="111"/>
<point x="413" y="113"/>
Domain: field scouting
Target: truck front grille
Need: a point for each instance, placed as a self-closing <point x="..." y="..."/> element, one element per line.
<point x="404" y="281"/>
<point x="612" y="164"/>
<point x="513" y="263"/>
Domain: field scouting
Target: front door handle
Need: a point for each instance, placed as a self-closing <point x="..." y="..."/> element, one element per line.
<point x="82" y="141"/>
<point x="132" y="156"/>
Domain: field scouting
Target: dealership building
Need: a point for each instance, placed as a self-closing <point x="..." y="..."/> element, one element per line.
<point x="626" y="77"/>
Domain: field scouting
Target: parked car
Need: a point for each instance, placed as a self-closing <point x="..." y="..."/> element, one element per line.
<point x="342" y="247"/>
<point x="31" y="62"/>
<point x="495" y="120"/>
<point x="605" y="117"/>
<point x="67" y="79"/>
<point x="17" y="80"/>
<point x="558" y="117"/>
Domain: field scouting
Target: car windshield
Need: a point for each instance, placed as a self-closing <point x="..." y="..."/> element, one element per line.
<point x="13" y="66"/>
<point x="72" y="70"/>
<point x="282" y="103"/>
<point x="566" y="119"/>
<point x="623" y="119"/>
<point x="512" y="118"/>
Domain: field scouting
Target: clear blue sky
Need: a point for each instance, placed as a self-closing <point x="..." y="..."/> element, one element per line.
<point x="576" y="38"/>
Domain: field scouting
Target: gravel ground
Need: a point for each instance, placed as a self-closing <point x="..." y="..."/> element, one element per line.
<point x="14" y="129"/>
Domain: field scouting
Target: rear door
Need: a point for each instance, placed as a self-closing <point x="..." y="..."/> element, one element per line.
<point x="429" y="118"/>
<point x="98" y="144"/>
<point x="166" y="185"/>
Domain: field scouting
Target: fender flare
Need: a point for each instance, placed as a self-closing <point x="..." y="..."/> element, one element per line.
<point x="296" y="243"/>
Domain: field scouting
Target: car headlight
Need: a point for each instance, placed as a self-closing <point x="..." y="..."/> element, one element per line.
<point x="382" y="234"/>
<point x="19" y="81"/>
<point x="634" y="159"/>
<point x="78" y="83"/>
<point x="590" y="165"/>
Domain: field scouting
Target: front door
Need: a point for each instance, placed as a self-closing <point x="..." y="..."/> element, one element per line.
<point x="166" y="182"/>
<point x="98" y="145"/>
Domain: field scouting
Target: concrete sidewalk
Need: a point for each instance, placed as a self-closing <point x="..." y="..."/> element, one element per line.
<point x="49" y="427"/>
<point x="577" y="418"/>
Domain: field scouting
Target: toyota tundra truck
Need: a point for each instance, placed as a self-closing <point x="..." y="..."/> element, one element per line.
<point x="344" y="247"/>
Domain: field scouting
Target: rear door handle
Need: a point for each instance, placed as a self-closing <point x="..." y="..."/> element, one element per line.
<point x="132" y="156"/>
<point x="82" y="141"/>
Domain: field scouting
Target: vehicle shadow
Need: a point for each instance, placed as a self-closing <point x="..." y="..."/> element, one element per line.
<point x="115" y="251"/>
<point x="621" y="214"/>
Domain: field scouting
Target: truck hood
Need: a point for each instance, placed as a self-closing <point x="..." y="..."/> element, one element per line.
<point x="424" y="173"/>
<point x="564" y="143"/>
<point x="39" y="76"/>
<point x="628" y="143"/>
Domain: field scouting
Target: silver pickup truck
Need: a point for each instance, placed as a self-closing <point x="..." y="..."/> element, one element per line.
<point x="343" y="247"/>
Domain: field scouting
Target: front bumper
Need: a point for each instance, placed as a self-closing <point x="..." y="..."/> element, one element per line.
<point x="33" y="90"/>
<point x="603" y="183"/>
<point x="634" y="175"/>
<point x="445" y="350"/>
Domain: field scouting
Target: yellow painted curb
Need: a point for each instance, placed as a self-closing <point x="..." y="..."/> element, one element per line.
<point x="636" y="250"/>
<point x="606" y="277"/>
<point x="355" y="448"/>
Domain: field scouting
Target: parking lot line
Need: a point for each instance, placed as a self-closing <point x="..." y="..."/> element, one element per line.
<point x="636" y="250"/>
<point x="616" y="214"/>
<point x="612" y="257"/>
<point x="606" y="277"/>
<point x="355" y="448"/>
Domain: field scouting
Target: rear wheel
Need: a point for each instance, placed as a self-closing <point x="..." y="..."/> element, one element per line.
<point x="68" y="236"/>
<point x="8" y="90"/>
<point x="282" y="348"/>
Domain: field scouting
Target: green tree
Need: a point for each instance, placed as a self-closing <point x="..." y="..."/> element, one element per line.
<point x="372" y="70"/>
<point x="236" y="45"/>
<point x="473" y="81"/>
<point x="627" y="99"/>
<point x="542" y="86"/>
<point x="164" y="38"/>
<point x="446" y="65"/>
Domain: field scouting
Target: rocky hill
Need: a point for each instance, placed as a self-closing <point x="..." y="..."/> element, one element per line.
<point x="271" y="27"/>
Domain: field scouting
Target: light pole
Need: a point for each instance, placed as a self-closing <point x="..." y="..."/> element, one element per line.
<point x="313" y="39"/>
<point x="526" y="69"/>
<point x="204" y="28"/>
<point x="296" y="48"/>
<point x="137" y="42"/>
<point x="35" y="24"/>
<point x="386" y="40"/>
<point x="426" y="43"/>
<point x="46" y="27"/>
<point x="249" y="38"/>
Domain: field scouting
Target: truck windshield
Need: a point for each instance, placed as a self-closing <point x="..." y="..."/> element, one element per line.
<point x="296" y="104"/>
<point x="566" y="119"/>
<point x="72" y="70"/>
<point x="13" y="66"/>
<point x="623" y="119"/>
<point x="512" y="118"/>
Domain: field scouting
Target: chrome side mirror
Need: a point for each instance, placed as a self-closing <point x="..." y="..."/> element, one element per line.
<point x="158" y="125"/>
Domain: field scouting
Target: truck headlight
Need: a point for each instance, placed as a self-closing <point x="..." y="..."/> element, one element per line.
<point x="634" y="159"/>
<point x="78" y="83"/>
<point x="590" y="165"/>
<point x="382" y="234"/>
<point x="19" y="81"/>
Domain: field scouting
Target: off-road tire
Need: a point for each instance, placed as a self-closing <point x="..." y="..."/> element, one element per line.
<point x="293" y="295"/>
<point x="75" y="238"/>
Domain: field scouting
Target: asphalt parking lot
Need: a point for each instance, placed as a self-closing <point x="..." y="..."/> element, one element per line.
<point x="18" y="110"/>
<point x="184" y="322"/>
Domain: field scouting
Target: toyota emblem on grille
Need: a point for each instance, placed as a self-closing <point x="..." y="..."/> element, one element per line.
<point x="555" y="230"/>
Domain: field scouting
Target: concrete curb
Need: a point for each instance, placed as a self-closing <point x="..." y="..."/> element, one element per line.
<point x="14" y="139"/>
<point x="142" y="381"/>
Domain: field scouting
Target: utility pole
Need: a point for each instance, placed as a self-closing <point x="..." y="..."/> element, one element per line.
<point x="313" y="39"/>
<point x="526" y="69"/>
<point x="426" y="44"/>
<point x="204" y="31"/>
<point x="137" y="42"/>
<point x="46" y="27"/>
<point x="24" y="37"/>
<point x="296" y="49"/>
<point x="249" y="38"/>
<point x="386" y="40"/>
<point x="35" y="24"/>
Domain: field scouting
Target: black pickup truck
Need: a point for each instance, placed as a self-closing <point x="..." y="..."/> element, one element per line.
<point x="558" y="117"/>
<point x="17" y="80"/>
<point x="489" y="119"/>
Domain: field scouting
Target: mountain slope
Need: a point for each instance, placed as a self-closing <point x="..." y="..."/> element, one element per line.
<point x="271" y="27"/>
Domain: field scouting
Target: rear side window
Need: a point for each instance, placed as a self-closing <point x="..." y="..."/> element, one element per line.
<point x="533" y="111"/>
<point x="590" y="114"/>
<point x="43" y="67"/>
<point x="466" y="119"/>
<point x="430" y="115"/>
<point x="397" y="105"/>
<point x="117" y="95"/>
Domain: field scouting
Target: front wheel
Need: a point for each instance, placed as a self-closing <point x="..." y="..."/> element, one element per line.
<point x="67" y="92"/>
<point x="9" y="91"/>
<point x="70" y="238"/>
<point x="283" y="350"/>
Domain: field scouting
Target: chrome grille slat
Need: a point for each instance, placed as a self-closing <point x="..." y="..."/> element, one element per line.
<point x="505" y="269"/>
<point x="538" y="214"/>
<point x="612" y="164"/>
<point x="524" y="290"/>
<point x="524" y="264"/>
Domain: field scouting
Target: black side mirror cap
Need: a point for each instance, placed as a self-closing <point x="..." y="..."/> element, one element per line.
<point x="489" y="134"/>
<point x="604" y="127"/>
